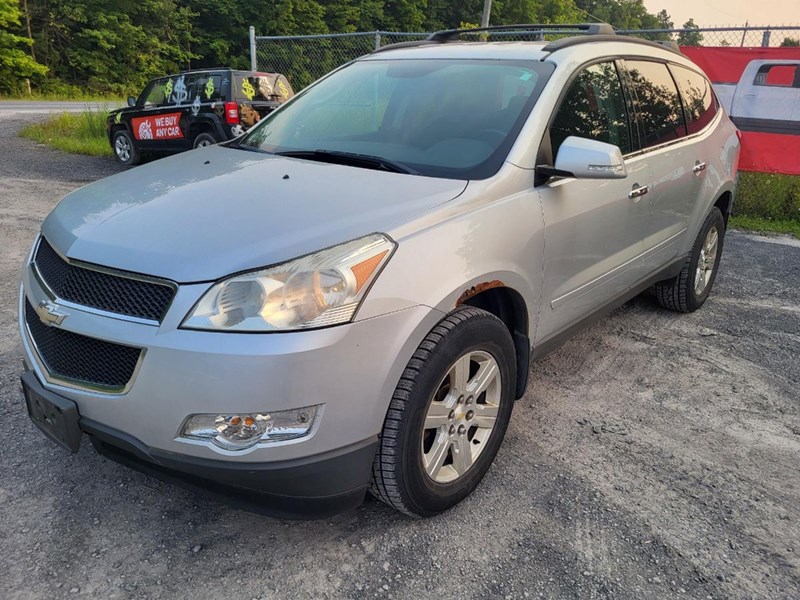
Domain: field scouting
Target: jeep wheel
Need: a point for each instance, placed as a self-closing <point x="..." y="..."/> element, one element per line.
<point x="125" y="150"/>
<point x="204" y="139"/>
<point x="448" y="415"/>
<point x="688" y="291"/>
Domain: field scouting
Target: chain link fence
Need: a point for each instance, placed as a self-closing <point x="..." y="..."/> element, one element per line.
<point x="306" y="58"/>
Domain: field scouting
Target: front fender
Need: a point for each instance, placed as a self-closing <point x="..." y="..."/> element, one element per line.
<point x="474" y="241"/>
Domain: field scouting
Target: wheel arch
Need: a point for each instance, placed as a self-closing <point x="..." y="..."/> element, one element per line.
<point x="724" y="203"/>
<point x="508" y="305"/>
<point x="115" y="128"/>
<point x="207" y="125"/>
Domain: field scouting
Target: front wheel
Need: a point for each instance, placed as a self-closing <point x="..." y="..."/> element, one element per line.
<point x="448" y="415"/>
<point x="125" y="151"/>
<point x="688" y="291"/>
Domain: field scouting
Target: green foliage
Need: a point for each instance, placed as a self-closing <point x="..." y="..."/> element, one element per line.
<point x="790" y="42"/>
<point x="112" y="47"/>
<point x="768" y="196"/>
<point x="81" y="133"/>
<point x="16" y="64"/>
<point x="690" y="38"/>
<point x="765" y="225"/>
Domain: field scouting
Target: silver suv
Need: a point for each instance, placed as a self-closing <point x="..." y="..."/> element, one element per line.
<point x="348" y="297"/>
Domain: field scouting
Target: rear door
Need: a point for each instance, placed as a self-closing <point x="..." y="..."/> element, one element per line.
<point x="670" y="158"/>
<point x="593" y="229"/>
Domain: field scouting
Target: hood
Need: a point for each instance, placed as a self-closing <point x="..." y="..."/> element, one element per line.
<point x="208" y="213"/>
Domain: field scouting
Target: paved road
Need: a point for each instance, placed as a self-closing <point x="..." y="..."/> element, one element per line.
<point x="12" y="107"/>
<point x="654" y="456"/>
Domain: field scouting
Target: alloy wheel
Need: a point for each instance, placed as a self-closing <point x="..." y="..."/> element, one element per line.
<point x="461" y="416"/>
<point x="706" y="261"/>
<point x="123" y="148"/>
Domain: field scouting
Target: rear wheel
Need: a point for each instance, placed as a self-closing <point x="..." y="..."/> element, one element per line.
<point x="448" y="415"/>
<point x="204" y="139"/>
<point x="688" y="291"/>
<point x="125" y="150"/>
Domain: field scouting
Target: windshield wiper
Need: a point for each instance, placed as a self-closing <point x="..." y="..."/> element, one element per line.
<point x="351" y="158"/>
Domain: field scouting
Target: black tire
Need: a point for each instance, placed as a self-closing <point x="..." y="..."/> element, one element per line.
<point x="124" y="149"/>
<point x="203" y="139"/>
<point x="679" y="293"/>
<point x="398" y="476"/>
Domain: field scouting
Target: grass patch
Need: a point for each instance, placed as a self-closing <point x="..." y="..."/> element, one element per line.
<point x="767" y="203"/>
<point x="768" y="196"/>
<point x="760" y="225"/>
<point x="81" y="133"/>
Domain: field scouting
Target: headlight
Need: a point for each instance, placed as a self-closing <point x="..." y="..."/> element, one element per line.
<point x="317" y="290"/>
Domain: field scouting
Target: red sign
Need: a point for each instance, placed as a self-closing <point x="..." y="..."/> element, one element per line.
<point x="158" y="127"/>
<point x="760" y="90"/>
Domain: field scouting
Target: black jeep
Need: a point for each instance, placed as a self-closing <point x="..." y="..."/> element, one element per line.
<point x="192" y="109"/>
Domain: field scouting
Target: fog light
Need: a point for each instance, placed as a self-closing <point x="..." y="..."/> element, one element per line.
<point x="239" y="431"/>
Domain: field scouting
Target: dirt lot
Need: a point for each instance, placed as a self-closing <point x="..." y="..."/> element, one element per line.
<point x="655" y="455"/>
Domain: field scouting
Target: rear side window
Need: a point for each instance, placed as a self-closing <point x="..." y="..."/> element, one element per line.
<point x="657" y="102"/>
<point x="209" y="87"/>
<point x="698" y="99"/>
<point x="593" y="108"/>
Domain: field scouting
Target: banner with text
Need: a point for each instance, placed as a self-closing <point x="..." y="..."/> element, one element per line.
<point x="158" y="127"/>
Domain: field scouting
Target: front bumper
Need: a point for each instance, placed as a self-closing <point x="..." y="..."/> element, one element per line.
<point x="350" y="370"/>
<point x="313" y="487"/>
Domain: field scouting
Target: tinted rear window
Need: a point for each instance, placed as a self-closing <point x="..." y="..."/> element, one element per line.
<point x="657" y="102"/>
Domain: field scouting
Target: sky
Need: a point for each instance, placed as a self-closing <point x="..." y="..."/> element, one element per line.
<point x="709" y="13"/>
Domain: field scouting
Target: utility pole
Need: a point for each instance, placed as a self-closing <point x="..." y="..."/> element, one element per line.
<point x="487" y="12"/>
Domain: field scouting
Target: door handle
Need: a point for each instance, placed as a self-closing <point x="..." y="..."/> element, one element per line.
<point x="638" y="191"/>
<point x="699" y="167"/>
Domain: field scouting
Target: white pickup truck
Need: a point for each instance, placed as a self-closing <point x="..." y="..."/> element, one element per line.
<point x="767" y="97"/>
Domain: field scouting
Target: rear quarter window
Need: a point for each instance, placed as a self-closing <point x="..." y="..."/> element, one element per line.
<point x="262" y="87"/>
<point x="698" y="99"/>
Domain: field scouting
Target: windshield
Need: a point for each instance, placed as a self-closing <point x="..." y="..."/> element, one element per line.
<point x="438" y="117"/>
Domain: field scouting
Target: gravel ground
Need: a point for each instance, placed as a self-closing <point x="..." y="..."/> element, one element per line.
<point x="655" y="455"/>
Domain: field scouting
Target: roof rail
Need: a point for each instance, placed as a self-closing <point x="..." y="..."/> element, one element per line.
<point x="587" y="28"/>
<point x="671" y="45"/>
<point x="576" y="40"/>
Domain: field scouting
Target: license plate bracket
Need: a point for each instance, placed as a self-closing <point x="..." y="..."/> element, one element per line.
<point x="55" y="416"/>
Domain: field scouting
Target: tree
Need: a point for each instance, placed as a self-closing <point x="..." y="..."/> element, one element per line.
<point x="687" y="37"/>
<point x="116" y="45"/>
<point x="15" y="63"/>
<point x="112" y="45"/>
<point x="664" y="20"/>
<point x="789" y="42"/>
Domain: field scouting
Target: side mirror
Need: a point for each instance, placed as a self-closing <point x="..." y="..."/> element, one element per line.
<point x="131" y="101"/>
<point x="589" y="159"/>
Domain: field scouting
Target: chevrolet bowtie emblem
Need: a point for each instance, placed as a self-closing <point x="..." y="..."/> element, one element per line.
<point x="49" y="314"/>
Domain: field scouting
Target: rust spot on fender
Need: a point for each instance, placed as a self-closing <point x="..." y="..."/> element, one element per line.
<point x="477" y="289"/>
